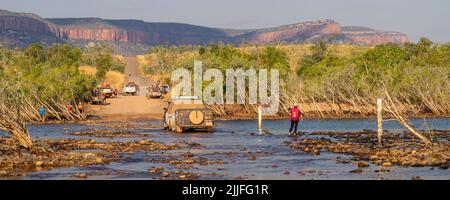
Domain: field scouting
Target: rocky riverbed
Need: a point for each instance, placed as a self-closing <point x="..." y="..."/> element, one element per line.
<point x="68" y="152"/>
<point x="397" y="148"/>
<point x="328" y="149"/>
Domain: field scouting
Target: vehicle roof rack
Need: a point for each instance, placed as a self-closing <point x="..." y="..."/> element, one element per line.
<point x="186" y="98"/>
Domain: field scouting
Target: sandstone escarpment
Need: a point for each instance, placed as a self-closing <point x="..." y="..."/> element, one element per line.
<point x="136" y="31"/>
<point x="21" y="29"/>
<point x="102" y="34"/>
<point x="375" y="38"/>
<point x="294" y="32"/>
<point x="26" y="24"/>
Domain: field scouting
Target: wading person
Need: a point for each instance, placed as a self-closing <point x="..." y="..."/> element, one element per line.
<point x="158" y="86"/>
<point x="296" y="115"/>
<point x="70" y="108"/>
<point x="42" y="112"/>
<point x="80" y="107"/>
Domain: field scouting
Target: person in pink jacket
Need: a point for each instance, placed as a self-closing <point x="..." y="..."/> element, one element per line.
<point x="296" y="115"/>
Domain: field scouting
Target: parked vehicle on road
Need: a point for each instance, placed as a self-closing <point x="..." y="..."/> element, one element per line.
<point x="154" y="92"/>
<point x="106" y="90"/>
<point x="131" y="88"/>
<point x="98" y="98"/>
<point x="188" y="113"/>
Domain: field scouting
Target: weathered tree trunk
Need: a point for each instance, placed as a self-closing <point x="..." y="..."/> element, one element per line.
<point x="15" y="123"/>
<point x="391" y="107"/>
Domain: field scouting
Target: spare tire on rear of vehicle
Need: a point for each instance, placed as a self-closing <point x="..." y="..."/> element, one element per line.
<point x="196" y="117"/>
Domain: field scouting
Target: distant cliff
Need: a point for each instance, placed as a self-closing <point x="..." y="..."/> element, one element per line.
<point x="291" y="33"/>
<point x="135" y="36"/>
<point x="367" y="36"/>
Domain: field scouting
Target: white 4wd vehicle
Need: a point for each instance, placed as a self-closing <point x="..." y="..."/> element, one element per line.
<point x="130" y="89"/>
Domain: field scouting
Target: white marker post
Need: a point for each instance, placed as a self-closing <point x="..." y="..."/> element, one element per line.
<point x="259" y="119"/>
<point x="379" y="120"/>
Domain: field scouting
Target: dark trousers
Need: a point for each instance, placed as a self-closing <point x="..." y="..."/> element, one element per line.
<point x="293" y="125"/>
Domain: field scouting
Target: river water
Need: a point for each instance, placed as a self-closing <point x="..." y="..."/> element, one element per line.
<point x="234" y="143"/>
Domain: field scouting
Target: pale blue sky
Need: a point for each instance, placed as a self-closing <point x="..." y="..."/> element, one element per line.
<point x="430" y="18"/>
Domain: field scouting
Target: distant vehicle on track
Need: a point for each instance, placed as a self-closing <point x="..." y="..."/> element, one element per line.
<point x="131" y="88"/>
<point x="154" y="91"/>
<point x="165" y="89"/>
<point x="98" y="97"/>
<point x="185" y="113"/>
<point x="106" y="90"/>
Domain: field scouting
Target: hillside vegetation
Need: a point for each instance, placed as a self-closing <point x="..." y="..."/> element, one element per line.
<point x="47" y="77"/>
<point x="329" y="80"/>
<point x="114" y="78"/>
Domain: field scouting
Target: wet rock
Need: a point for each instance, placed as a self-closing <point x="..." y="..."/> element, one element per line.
<point x="188" y="161"/>
<point x="212" y="174"/>
<point x="382" y="170"/>
<point x="99" y="160"/>
<point x="173" y="162"/>
<point x="356" y="171"/>
<point x="3" y="173"/>
<point x="444" y="167"/>
<point x="363" y="164"/>
<point x="187" y="155"/>
<point x="183" y="166"/>
<point x="202" y="161"/>
<point x="80" y="175"/>
<point x="39" y="164"/>
<point x="89" y="155"/>
<point x="316" y="152"/>
<point x="387" y="164"/>
<point x="49" y="164"/>
<point x="219" y="162"/>
<point x="306" y="149"/>
<point x="142" y="142"/>
<point x="362" y="150"/>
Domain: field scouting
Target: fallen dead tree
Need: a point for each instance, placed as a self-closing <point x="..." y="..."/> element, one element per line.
<point x="17" y="109"/>
<point x="13" y="118"/>
<point x="56" y="109"/>
<point x="392" y="109"/>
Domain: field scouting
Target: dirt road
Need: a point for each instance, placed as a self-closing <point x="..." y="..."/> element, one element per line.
<point x="131" y="107"/>
<point x="133" y="74"/>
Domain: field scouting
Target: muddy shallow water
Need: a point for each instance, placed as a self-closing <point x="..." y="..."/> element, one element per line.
<point x="233" y="151"/>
